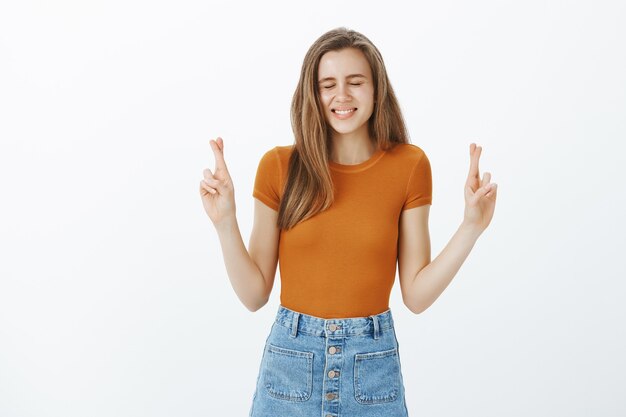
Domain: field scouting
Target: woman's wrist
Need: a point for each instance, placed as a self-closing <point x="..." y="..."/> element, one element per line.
<point x="471" y="228"/>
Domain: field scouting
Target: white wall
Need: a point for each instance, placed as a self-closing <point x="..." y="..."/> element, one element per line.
<point x="114" y="299"/>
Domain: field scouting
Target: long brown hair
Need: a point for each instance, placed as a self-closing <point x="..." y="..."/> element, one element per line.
<point x="309" y="189"/>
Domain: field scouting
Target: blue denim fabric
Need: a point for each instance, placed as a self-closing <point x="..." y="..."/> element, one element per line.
<point x="339" y="367"/>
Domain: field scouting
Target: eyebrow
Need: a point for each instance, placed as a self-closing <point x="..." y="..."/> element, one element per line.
<point x="349" y="76"/>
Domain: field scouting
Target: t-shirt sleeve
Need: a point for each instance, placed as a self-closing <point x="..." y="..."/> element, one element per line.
<point x="266" y="182"/>
<point x="420" y="186"/>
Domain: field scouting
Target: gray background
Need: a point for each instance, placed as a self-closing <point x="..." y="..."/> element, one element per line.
<point x="114" y="300"/>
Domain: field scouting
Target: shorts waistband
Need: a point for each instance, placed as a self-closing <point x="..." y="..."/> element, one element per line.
<point x="297" y="322"/>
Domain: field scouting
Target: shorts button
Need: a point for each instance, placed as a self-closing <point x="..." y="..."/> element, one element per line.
<point x="329" y="415"/>
<point x="332" y="327"/>
<point x="330" y="396"/>
<point x="331" y="374"/>
<point x="332" y="350"/>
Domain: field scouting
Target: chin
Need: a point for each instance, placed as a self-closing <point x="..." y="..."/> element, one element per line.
<point x="344" y="130"/>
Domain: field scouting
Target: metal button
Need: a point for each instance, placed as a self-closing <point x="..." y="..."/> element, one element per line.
<point x="332" y="350"/>
<point x="332" y="327"/>
<point x="331" y="396"/>
<point x="331" y="374"/>
<point x="329" y="415"/>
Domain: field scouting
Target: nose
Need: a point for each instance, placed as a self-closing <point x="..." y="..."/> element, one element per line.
<point x="342" y="91"/>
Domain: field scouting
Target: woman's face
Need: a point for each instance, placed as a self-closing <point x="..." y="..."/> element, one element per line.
<point x="345" y="83"/>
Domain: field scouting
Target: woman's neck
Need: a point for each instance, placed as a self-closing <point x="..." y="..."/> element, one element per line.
<point x="351" y="149"/>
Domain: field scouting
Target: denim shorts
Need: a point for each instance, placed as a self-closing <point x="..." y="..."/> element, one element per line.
<point x="339" y="367"/>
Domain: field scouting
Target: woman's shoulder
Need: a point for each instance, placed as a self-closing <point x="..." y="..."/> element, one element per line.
<point x="284" y="151"/>
<point x="406" y="152"/>
<point x="275" y="160"/>
<point x="280" y="152"/>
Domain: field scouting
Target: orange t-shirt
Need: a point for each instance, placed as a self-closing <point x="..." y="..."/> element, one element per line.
<point x="342" y="261"/>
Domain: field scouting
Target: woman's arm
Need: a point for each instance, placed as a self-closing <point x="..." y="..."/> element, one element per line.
<point x="421" y="290"/>
<point x="251" y="273"/>
<point x="423" y="281"/>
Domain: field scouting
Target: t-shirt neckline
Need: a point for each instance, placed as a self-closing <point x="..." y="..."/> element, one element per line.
<point x="357" y="167"/>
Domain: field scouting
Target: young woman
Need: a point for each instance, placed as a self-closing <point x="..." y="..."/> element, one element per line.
<point x="339" y="208"/>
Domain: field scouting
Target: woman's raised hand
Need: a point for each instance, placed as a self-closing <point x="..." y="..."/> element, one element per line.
<point x="480" y="195"/>
<point x="216" y="189"/>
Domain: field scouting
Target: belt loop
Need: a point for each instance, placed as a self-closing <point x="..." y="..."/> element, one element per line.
<point x="376" y="329"/>
<point x="294" y="324"/>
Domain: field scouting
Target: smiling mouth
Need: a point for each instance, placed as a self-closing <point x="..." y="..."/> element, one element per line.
<point x="344" y="111"/>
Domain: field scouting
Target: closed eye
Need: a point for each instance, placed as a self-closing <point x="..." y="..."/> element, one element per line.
<point x="331" y="86"/>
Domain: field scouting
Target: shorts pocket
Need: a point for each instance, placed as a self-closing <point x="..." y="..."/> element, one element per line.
<point x="288" y="373"/>
<point x="377" y="376"/>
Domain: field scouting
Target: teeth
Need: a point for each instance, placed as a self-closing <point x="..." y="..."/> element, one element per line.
<point x="344" y="111"/>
